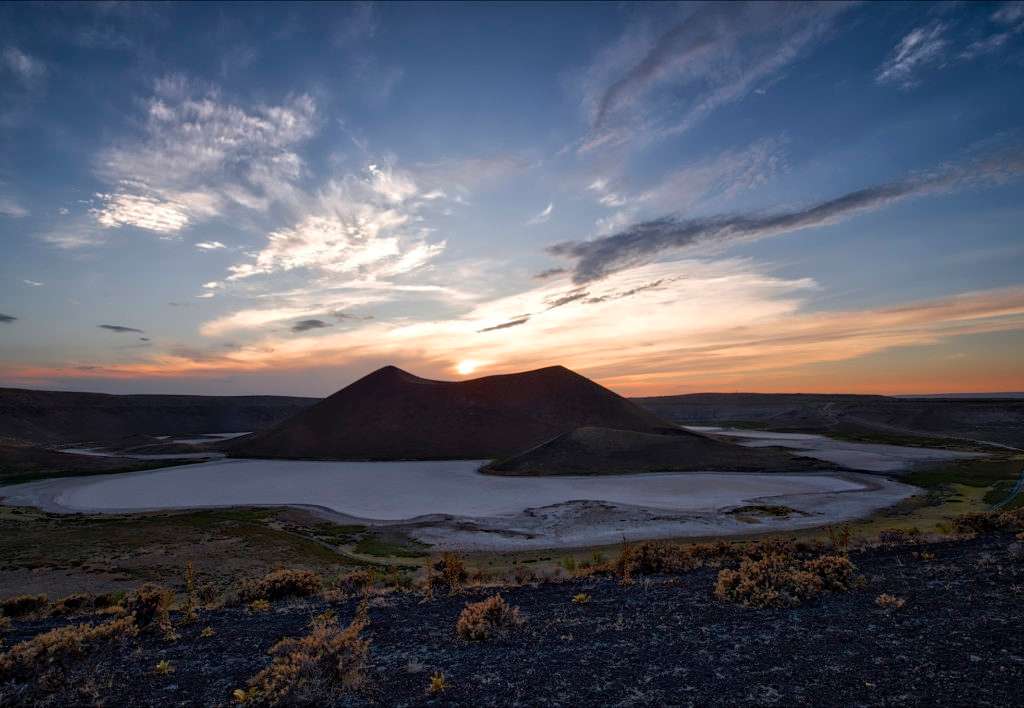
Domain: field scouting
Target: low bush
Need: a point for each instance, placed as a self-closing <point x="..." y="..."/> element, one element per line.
<point x="22" y="605"/>
<point x="53" y="650"/>
<point x="778" y="580"/>
<point x="487" y="618"/>
<point x="79" y="602"/>
<point x="447" y="573"/>
<point x="313" y="670"/>
<point x="437" y="684"/>
<point x="282" y="584"/>
<point x="150" y="606"/>
<point x="990" y="521"/>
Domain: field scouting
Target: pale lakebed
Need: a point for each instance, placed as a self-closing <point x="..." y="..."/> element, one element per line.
<point x="451" y="505"/>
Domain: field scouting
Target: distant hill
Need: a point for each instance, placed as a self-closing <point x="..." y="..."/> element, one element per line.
<point x="604" y="451"/>
<point x="394" y="415"/>
<point x="59" y="417"/>
<point x="999" y="420"/>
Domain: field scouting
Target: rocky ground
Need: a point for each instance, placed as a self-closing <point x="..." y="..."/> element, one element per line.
<point x="958" y="640"/>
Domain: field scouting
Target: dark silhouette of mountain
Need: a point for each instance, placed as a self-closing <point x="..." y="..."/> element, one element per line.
<point x="605" y="451"/>
<point x="58" y="417"/>
<point x="393" y="415"/>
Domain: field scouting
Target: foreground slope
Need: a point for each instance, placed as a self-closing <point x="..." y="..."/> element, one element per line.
<point x="393" y="415"/>
<point x="56" y="417"/>
<point x="604" y="451"/>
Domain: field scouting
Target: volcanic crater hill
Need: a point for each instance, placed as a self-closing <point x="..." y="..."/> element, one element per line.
<point x="604" y="451"/>
<point x="394" y="415"/>
<point x="61" y="417"/>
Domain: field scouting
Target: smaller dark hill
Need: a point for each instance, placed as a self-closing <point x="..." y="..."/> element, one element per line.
<point x="604" y="451"/>
<point x="393" y="415"/>
<point x="22" y="462"/>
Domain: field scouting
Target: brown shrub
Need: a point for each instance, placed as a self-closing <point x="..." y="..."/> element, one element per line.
<point x="783" y="581"/>
<point x="149" y="605"/>
<point x="314" y="670"/>
<point x="22" y="605"/>
<point x="281" y="584"/>
<point x="53" y="650"/>
<point x="349" y="584"/>
<point x="836" y="572"/>
<point x="79" y="602"/>
<point x="487" y="618"/>
<point x="447" y="573"/>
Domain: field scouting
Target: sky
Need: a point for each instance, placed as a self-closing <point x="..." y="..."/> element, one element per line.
<point x="667" y="198"/>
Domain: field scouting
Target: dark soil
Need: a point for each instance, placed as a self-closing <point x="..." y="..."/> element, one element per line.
<point x="959" y="640"/>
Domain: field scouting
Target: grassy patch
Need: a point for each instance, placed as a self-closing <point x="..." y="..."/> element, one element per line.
<point x="390" y="546"/>
<point x="10" y="476"/>
<point x="973" y="473"/>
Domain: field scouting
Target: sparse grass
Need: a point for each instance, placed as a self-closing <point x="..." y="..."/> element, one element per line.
<point x="22" y="605"/>
<point x="580" y="598"/>
<point x="438" y="684"/>
<point x="164" y="667"/>
<point x="385" y="547"/>
<point x="207" y="632"/>
<point x="313" y="670"/>
<point x="487" y="618"/>
<point x="890" y="602"/>
<point x="259" y="606"/>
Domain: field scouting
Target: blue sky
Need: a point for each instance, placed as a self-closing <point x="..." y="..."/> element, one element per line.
<point x="666" y="197"/>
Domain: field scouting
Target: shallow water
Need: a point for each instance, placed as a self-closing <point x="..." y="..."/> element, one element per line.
<point x="870" y="457"/>
<point x="389" y="491"/>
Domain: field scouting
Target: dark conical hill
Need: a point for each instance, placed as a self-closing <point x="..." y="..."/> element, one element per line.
<point x="393" y="415"/>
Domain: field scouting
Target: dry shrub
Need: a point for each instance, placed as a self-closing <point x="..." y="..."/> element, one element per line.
<point x="108" y="599"/>
<point x="447" y="573"/>
<point x="22" y="605"/>
<point x="487" y="618"/>
<point x="889" y="602"/>
<point x="523" y="575"/>
<point x="314" y="670"/>
<point x="438" y="684"/>
<point x="55" y="649"/>
<point x="79" y="602"/>
<point x="990" y="521"/>
<point x="778" y="580"/>
<point x="348" y="585"/>
<point x="836" y="572"/>
<point x="149" y="605"/>
<point x="5" y="624"/>
<point x="282" y="584"/>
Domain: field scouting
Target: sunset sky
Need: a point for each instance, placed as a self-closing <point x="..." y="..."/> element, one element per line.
<point x="204" y="198"/>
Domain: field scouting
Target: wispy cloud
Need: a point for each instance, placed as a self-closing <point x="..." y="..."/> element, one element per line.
<point x="505" y="325"/>
<point x="33" y="283"/>
<point x="210" y="245"/>
<point x="200" y="153"/>
<point x="9" y="207"/>
<point x="542" y="216"/>
<point x="144" y="212"/>
<point x="654" y="84"/>
<point x="645" y="241"/>
<point x="362" y="226"/>
<point x="27" y="69"/>
<point x="922" y="47"/>
<point x="306" y="325"/>
<point x="119" y="328"/>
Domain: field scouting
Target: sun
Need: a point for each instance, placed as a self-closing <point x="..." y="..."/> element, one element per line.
<point x="467" y="366"/>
